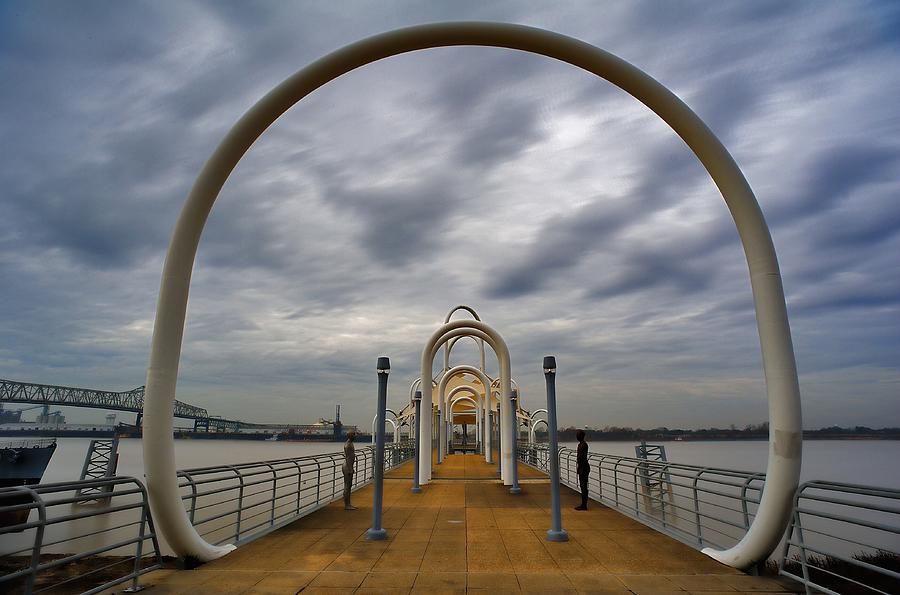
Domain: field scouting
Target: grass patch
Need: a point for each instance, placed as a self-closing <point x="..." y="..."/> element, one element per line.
<point x="823" y="570"/>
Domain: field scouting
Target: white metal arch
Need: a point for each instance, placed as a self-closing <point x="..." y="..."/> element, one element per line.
<point x="533" y="426"/>
<point x="476" y="409"/>
<point x="387" y="419"/>
<point x="456" y="400"/>
<point x="416" y="385"/>
<point x="785" y="435"/>
<point x="451" y="400"/>
<point x="448" y="346"/>
<point x="486" y="381"/>
<point x="479" y="329"/>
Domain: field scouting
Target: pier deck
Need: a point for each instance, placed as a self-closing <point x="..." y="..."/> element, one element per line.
<point x="462" y="535"/>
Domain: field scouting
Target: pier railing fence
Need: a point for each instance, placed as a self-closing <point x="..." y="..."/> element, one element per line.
<point x="62" y="537"/>
<point x="237" y="503"/>
<point x="66" y="517"/>
<point x="840" y="535"/>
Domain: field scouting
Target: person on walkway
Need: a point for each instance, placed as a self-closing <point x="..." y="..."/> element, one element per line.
<point x="583" y="467"/>
<point x="347" y="468"/>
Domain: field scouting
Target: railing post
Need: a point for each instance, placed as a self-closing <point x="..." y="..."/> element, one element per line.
<point x="616" y="479"/>
<point x="600" y="478"/>
<point x="697" y="508"/>
<point x="38" y="538"/>
<point x="416" y="489"/>
<point x="274" y="494"/>
<point x="240" y="505"/>
<point x="377" y="532"/>
<point x="556" y="532"/>
<point x="135" y="587"/>
<point x="299" y="485"/>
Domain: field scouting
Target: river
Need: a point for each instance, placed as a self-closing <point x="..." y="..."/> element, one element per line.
<point x="867" y="462"/>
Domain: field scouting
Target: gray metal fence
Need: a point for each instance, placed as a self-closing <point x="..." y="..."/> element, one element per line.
<point x="844" y="538"/>
<point x="64" y="516"/>
<point x="113" y="539"/>
<point x="840" y="534"/>
<point x="237" y="503"/>
<point x="700" y="506"/>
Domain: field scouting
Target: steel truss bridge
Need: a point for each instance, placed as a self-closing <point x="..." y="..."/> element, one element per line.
<point x="132" y="400"/>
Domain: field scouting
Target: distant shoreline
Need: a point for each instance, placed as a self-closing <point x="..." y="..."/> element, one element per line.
<point x="759" y="432"/>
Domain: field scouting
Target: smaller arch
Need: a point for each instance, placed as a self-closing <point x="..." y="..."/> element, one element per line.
<point x="475" y="410"/>
<point x="534" y="425"/>
<point x="486" y="381"/>
<point x="449" y="345"/>
<point x="468" y="309"/>
<point x="387" y="420"/>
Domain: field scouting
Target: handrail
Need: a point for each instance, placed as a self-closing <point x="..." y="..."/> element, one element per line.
<point x="841" y="536"/>
<point x="232" y="503"/>
<point x="239" y="503"/>
<point x="62" y="517"/>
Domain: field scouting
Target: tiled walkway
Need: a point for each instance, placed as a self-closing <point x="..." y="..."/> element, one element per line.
<point x="460" y="536"/>
<point x="469" y="466"/>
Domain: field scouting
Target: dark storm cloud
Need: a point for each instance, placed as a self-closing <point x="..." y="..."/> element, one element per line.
<point x="652" y="270"/>
<point x="558" y="246"/>
<point x="400" y="223"/>
<point x="506" y="130"/>
<point x="833" y="175"/>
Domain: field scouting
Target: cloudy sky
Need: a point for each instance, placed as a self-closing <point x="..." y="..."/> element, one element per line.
<point x="565" y="212"/>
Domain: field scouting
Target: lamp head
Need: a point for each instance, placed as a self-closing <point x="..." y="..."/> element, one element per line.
<point x="384" y="365"/>
<point x="418" y="396"/>
<point x="549" y="364"/>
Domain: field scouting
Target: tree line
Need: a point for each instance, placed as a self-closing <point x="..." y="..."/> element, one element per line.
<point x="758" y="431"/>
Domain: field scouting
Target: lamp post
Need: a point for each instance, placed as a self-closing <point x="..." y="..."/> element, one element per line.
<point x="440" y="433"/>
<point x="417" y="399"/>
<point x="499" y="442"/>
<point x="556" y="532"/>
<point x="377" y="532"/>
<point x="514" y="403"/>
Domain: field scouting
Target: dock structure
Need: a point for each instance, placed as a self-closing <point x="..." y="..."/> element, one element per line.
<point x="464" y="533"/>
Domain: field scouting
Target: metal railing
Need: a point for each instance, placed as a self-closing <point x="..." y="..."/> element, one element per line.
<point x="237" y="503"/>
<point x="700" y="506"/>
<point x="842" y="538"/>
<point x="115" y="540"/>
<point x="38" y="519"/>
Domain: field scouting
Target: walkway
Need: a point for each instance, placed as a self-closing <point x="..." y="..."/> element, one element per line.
<point x="463" y="467"/>
<point x="461" y="536"/>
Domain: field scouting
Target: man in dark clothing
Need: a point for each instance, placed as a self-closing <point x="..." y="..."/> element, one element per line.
<point x="584" y="469"/>
<point x="348" y="468"/>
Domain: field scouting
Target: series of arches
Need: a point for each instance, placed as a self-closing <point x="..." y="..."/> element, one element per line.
<point x="785" y="443"/>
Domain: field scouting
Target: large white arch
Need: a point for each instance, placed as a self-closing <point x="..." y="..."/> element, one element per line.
<point x="486" y="381"/>
<point x="785" y="435"/>
<point x="478" y="329"/>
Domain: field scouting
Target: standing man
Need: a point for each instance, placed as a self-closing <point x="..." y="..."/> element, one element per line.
<point x="583" y="467"/>
<point x="347" y="468"/>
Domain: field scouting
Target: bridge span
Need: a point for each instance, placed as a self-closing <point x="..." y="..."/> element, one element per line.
<point x="12" y="391"/>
